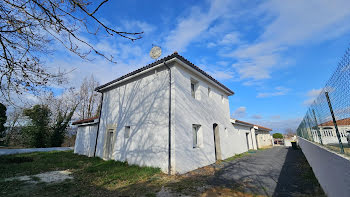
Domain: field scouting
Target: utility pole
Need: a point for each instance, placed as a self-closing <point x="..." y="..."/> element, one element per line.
<point x="335" y="123"/>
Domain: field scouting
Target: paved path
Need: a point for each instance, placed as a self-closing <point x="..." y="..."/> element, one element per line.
<point x="29" y="150"/>
<point x="273" y="172"/>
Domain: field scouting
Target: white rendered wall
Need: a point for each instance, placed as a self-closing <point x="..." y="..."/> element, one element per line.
<point x="329" y="136"/>
<point x="85" y="140"/>
<point x="264" y="139"/>
<point x="244" y="130"/>
<point x="205" y="111"/>
<point x="143" y="105"/>
<point x="331" y="170"/>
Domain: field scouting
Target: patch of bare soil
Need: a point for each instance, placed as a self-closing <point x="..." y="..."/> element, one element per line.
<point x="219" y="191"/>
<point x="46" y="177"/>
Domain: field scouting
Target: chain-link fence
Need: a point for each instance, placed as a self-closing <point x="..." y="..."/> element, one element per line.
<point x="327" y="120"/>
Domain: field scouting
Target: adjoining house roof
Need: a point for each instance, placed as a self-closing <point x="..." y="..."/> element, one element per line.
<point x="259" y="127"/>
<point x="342" y="122"/>
<point x="174" y="55"/>
<point x="83" y="121"/>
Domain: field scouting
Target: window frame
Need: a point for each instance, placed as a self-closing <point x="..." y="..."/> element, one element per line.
<point x="196" y="129"/>
<point x="127" y="131"/>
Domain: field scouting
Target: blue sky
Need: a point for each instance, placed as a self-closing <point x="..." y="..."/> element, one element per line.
<point x="275" y="55"/>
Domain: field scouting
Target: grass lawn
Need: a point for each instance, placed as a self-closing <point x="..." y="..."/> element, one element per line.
<point x="96" y="177"/>
<point x="92" y="176"/>
<point x="336" y="148"/>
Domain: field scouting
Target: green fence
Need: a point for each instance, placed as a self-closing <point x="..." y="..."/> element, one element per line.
<point x="327" y="120"/>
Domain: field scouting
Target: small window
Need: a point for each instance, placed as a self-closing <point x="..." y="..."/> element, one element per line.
<point x="196" y="135"/>
<point x="127" y="132"/>
<point x="222" y="99"/>
<point x="209" y="92"/>
<point x="194" y="87"/>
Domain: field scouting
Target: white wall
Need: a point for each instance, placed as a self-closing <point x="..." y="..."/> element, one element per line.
<point x="329" y="136"/>
<point x="245" y="132"/>
<point x="205" y="111"/>
<point x="85" y="140"/>
<point x="331" y="169"/>
<point x="141" y="104"/>
<point x="264" y="139"/>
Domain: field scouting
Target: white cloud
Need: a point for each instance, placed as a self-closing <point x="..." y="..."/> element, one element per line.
<point x="312" y="95"/>
<point x="286" y="24"/>
<point x="256" y="116"/>
<point x="275" y="117"/>
<point x="230" y="38"/>
<point x="280" y="125"/>
<point x="222" y="75"/>
<point x="137" y="26"/>
<point x="279" y="91"/>
<point x="240" y="112"/>
<point x="198" y="21"/>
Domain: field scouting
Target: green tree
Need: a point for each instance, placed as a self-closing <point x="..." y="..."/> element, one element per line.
<point x="59" y="129"/>
<point x="37" y="133"/>
<point x="277" y="135"/>
<point x="3" y="119"/>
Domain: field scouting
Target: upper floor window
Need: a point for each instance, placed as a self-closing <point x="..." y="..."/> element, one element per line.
<point x="222" y="98"/>
<point x="194" y="88"/>
<point x="209" y="92"/>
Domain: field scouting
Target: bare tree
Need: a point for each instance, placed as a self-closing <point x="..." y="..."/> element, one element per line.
<point x="89" y="98"/>
<point x="290" y="132"/>
<point x="29" y="27"/>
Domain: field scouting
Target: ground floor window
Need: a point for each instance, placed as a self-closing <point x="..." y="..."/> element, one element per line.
<point x="196" y="129"/>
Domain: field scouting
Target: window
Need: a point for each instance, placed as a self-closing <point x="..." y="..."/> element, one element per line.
<point x="194" y="88"/>
<point x="193" y="92"/>
<point x="209" y="92"/>
<point x="222" y="99"/>
<point x="127" y="132"/>
<point x="196" y="135"/>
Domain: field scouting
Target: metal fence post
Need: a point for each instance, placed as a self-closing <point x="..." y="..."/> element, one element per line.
<point x="318" y="130"/>
<point x="335" y="123"/>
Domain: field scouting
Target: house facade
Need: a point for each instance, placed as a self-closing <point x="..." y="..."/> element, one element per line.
<point x="328" y="132"/>
<point x="169" y="114"/>
<point x="255" y="136"/>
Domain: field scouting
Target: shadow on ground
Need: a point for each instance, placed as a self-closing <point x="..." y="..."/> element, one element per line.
<point x="278" y="171"/>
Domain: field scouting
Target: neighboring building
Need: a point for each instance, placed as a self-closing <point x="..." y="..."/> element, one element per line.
<point x="328" y="133"/>
<point x="85" y="140"/>
<point x="256" y="136"/>
<point x="177" y="126"/>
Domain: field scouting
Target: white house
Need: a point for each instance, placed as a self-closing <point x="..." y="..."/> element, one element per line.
<point x="256" y="136"/>
<point x="169" y="114"/>
<point x="328" y="132"/>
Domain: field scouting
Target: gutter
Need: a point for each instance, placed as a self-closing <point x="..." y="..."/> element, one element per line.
<point x="169" y="134"/>
<point x="98" y="126"/>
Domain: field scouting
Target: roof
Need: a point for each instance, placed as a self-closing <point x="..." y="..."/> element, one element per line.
<point x="342" y="122"/>
<point x="87" y="120"/>
<point x="174" y="55"/>
<point x="259" y="127"/>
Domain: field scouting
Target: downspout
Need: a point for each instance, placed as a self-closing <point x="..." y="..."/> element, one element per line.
<point x="169" y="131"/>
<point x="98" y="125"/>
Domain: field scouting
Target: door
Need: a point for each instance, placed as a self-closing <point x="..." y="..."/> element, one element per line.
<point x="247" y="138"/>
<point x="109" y="144"/>
<point x="217" y="142"/>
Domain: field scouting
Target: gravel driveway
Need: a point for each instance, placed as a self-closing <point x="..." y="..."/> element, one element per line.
<point x="29" y="150"/>
<point x="279" y="171"/>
